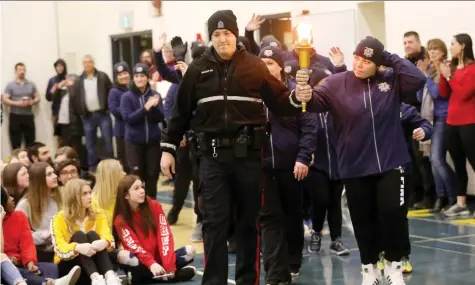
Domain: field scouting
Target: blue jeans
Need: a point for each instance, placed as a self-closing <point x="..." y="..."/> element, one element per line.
<point x="10" y="274"/>
<point x="48" y="271"/>
<point x="444" y="176"/>
<point x="91" y="122"/>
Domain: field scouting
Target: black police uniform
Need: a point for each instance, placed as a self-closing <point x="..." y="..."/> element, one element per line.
<point x="222" y="102"/>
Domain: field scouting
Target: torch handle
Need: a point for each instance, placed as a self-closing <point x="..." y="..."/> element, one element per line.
<point x="304" y="104"/>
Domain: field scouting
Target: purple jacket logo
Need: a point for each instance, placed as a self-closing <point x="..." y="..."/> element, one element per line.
<point x="384" y="87"/>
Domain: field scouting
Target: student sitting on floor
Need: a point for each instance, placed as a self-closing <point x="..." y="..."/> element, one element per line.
<point x="20" y="249"/>
<point x="143" y="229"/>
<point x="81" y="236"/>
<point x="40" y="205"/>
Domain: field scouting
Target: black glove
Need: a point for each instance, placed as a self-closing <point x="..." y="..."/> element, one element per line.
<point x="180" y="51"/>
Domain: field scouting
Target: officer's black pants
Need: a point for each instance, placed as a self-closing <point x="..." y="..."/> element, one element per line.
<point x="325" y="198"/>
<point x="378" y="213"/>
<point x="184" y="176"/>
<point x="281" y="225"/>
<point x="226" y="181"/>
<point x="144" y="161"/>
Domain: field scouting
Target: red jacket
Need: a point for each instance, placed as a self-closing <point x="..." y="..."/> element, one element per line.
<point x="157" y="247"/>
<point x="18" y="238"/>
<point x="461" y="90"/>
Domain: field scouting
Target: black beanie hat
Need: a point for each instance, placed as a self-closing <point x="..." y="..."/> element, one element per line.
<point x="291" y="67"/>
<point x="121" y="67"/>
<point x="371" y="49"/>
<point x="141" y="68"/>
<point x="319" y="72"/>
<point x="270" y="40"/>
<point x="274" y="53"/>
<point x="223" y="19"/>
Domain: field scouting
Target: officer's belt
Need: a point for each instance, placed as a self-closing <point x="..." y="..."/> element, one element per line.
<point x="225" y="142"/>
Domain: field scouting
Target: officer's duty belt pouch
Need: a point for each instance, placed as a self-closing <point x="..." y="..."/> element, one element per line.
<point x="201" y="142"/>
<point x="260" y="137"/>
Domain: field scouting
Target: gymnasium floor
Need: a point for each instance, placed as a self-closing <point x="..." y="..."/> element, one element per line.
<point x="443" y="251"/>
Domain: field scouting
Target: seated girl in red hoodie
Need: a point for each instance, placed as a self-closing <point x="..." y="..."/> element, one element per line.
<point x="143" y="229"/>
<point x="20" y="248"/>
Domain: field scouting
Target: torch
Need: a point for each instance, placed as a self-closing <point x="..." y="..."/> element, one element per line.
<point x="304" y="50"/>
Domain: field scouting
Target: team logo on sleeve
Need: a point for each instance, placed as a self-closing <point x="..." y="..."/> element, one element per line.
<point x="384" y="87"/>
<point x="268" y="53"/>
<point x="220" y="25"/>
<point x="368" y="52"/>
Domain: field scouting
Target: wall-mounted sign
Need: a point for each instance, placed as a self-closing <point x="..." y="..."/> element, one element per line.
<point x="126" y="20"/>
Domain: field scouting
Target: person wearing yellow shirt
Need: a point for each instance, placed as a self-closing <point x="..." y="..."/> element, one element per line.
<point x="82" y="236"/>
<point x="109" y="172"/>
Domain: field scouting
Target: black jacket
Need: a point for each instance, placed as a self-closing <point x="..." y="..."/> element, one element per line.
<point x="219" y="98"/>
<point x="103" y="87"/>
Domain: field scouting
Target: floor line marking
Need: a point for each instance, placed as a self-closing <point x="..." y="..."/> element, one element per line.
<point x="443" y="249"/>
<point x="445" y="239"/>
<point x="200" y="273"/>
<point x="442" y="222"/>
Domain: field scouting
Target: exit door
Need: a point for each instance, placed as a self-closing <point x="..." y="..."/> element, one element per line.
<point x="128" y="47"/>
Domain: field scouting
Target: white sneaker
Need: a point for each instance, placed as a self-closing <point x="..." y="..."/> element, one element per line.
<point x="371" y="275"/>
<point x="98" y="280"/>
<point x="393" y="273"/>
<point x="113" y="279"/>
<point x="71" y="278"/>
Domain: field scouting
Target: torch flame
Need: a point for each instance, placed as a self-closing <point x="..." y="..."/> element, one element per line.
<point x="304" y="32"/>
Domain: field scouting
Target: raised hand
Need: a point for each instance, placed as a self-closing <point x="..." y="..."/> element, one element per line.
<point x="337" y="56"/>
<point x="255" y="23"/>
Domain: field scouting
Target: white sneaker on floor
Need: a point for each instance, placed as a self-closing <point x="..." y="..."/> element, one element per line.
<point x="98" y="280"/>
<point x="71" y="278"/>
<point x="393" y="273"/>
<point x="371" y="275"/>
<point x="113" y="279"/>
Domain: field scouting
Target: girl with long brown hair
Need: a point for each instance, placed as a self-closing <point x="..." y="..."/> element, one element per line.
<point x="40" y="204"/>
<point x="143" y="229"/>
<point x="434" y="108"/>
<point x="20" y="250"/>
<point x="457" y="83"/>
<point x="81" y="236"/>
<point x="15" y="179"/>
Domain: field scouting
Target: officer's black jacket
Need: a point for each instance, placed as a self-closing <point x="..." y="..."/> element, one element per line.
<point x="218" y="98"/>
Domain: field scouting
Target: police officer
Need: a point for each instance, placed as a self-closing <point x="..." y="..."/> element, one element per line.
<point x="220" y="98"/>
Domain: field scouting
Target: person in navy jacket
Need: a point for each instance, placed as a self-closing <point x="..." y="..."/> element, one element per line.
<point x="142" y="111"/>
<point x="371" y="150"/>
<point x="286" y="161"/>
<point x="324" y="186"/>
<point x="119" y="87"/>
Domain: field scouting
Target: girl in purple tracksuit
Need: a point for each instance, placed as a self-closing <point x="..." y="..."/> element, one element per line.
<point x="371" y="150"/>
<point x="286" y="161"/>
<point x="142" y="111"/>
<point x="324" y="184"/>
<point x="120" y="87"/>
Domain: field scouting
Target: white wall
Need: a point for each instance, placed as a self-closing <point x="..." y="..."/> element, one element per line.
<point x="28" y="34"/>
<point x="371" y="21"/>
<point x="180" y="18"/>
<point x="430" y="19"/>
